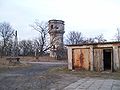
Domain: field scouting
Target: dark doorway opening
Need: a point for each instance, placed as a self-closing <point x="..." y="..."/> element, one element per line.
<point x="107" y="57"/>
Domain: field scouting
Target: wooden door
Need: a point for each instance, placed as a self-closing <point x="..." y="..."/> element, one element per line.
<point x="98" y="59"/>
<point x="81" y="59"/>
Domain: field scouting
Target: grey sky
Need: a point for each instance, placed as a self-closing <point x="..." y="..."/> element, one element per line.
<point x="91" y="17"/>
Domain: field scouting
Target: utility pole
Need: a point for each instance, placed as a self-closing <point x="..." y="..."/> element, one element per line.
<point x="118" y="36"/>
<point x="15" y="45"/>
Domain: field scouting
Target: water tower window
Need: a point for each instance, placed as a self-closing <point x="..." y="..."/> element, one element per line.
<point x="51" y="26"/>
<point x="53" y="46"/>
<point x="56" y="27"/>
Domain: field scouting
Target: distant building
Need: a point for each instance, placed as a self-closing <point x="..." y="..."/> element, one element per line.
<point x="56" y="31"/>
<point x="94" y="56"/>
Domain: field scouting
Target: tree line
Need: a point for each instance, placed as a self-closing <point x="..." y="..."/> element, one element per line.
<point x="40" y="45"/>
<point x="75" y="37"/>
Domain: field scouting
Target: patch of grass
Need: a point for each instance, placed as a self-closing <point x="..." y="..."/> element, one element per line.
<point x="37" y="59"/>
<point x="58" y="70"/>
<point x="84" y="73"/>
<point x="5" y="65"/>
<point x="5" y="68"/>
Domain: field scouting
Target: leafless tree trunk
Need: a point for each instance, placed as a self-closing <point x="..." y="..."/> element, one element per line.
<point x="41" y="43"/>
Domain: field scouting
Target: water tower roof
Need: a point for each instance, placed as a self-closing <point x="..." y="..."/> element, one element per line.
<point x="56" y="21"/>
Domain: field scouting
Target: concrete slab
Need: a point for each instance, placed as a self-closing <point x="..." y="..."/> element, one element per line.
<point x="94" y="84"/>
<point x="86" y="84"/>
<point x="115" y="88"/>
<point x="75" y="85"/>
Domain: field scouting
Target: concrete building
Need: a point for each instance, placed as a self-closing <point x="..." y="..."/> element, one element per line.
<point x="56" y="31"/>
<point x="95" y="56"/>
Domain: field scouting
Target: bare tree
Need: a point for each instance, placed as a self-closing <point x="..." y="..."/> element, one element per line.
<point x="74" y="37"/>
<point x="97" y="39"/>
<point x="41" y="43"/>
<point x="9" y="47"/>
<point x="30" y="45"/>
<point x="6" y="33"/>
<point x="23" y="47"/>
<point x="117" y="36"/>
<point x="77" y="38"/>
<point x="1" y="44"/>
<point x="89" y="40"/>
<point x="26" y="47"/>
<point x="38" y="45"/>
<point x="100" y="38"/>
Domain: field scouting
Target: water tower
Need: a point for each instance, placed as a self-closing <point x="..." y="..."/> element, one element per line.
<point x="56" y="31"/>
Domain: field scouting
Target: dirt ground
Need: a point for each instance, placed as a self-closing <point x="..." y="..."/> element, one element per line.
<point x="35" y="77"/>
<point x="5" y="63"/>
<point x="84" y="73"/>
<point x="46" y="77"/>
<point x="38" y="76"/>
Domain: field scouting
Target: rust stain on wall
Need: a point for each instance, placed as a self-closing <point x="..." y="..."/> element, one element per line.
<point x="76" y="56"/>
<point x="81" y="59"/>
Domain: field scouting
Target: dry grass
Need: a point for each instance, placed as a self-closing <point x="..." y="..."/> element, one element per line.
<point x="3" y="60"/>
<point x="5" y="64"/>
<point x="30" y="58"/>
<point x="84" y="73"/>
<point x="37" y="59"/>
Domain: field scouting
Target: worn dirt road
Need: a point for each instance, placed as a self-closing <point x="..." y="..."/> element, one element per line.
<point x="35" y="77"/>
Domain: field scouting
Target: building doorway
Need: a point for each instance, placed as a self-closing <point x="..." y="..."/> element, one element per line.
<point x="107" y="59"/>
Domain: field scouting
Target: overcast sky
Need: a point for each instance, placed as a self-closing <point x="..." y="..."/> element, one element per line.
<point x="91" y="17"/>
